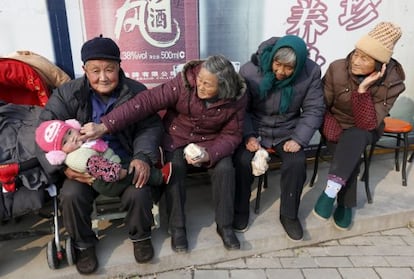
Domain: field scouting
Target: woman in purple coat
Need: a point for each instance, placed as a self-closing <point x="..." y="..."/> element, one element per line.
<point x="205" y="105"/>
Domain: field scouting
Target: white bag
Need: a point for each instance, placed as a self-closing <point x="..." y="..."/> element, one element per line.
<point x="260" y="162"/>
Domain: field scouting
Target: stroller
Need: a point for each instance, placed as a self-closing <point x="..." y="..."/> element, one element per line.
<point x="26" y="82"/>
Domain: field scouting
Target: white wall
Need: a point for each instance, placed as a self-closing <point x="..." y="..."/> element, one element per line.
<point x="24" y="25"/>
<point x="76" y="33"/>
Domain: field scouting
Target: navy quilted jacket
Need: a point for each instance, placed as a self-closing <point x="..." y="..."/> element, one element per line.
<point x="305" y="113"/>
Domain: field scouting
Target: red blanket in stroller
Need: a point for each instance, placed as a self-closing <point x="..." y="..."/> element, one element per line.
<point x="23" y="93"/>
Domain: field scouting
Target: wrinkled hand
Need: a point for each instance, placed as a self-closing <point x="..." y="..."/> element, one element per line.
<point x="253" y="144"/>
<point x="371" y="79"/>
<point x="91" y="131"/>
<point x="141" y="172"/>
<point x="291" y="146"/>
<point x="85" y="178"/>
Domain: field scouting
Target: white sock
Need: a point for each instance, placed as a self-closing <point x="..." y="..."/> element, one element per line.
<point x="332" y="188"/>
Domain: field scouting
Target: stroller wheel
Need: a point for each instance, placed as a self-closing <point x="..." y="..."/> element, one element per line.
<point x="70" y="251"/>
<point x="52" y="255"/>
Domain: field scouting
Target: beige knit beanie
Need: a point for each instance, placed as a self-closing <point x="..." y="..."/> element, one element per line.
<point x="380" y="42"/>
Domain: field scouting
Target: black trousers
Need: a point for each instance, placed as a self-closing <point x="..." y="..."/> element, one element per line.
<point x="346" y="161"/>
<point x="223" y="187"/>
<point x="293" y="177"/>
<point x="76" y="201"/>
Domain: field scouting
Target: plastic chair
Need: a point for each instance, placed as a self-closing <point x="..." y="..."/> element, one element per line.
<point x="399" y="130"/>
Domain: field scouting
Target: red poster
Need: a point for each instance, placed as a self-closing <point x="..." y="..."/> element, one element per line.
<point x="153" y="35"/>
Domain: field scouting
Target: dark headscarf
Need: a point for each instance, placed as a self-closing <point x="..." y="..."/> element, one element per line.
<point x="269" y="81"/>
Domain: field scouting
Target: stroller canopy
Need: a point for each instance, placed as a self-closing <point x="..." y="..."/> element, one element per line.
<point x="21" y="84"/>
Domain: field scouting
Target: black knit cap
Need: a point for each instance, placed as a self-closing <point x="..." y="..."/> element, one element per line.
<point x="100" y="48"/>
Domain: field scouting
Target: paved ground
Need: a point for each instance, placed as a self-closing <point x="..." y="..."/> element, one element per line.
<point x="379" y="245"/>
<point x="387" y="254"/>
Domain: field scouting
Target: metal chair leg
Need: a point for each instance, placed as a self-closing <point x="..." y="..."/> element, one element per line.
<point x="397" y="153"/>
<point x="411" y="157"/>
<point x="367" y="162"/>
<point x="404" y="138"/>
<point x="404" y="162"/>
<point x="262" y="183"/>
<point x="316" y="164"/>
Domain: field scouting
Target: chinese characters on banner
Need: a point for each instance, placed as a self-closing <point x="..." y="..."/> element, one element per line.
<point x="308" y="20"/>
<point x="153" y="35"/>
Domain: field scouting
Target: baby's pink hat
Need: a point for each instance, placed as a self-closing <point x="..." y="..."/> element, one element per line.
<point x="49" y="137"/>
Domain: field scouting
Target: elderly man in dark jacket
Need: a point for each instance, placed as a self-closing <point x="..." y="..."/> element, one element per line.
<point x="86" y="99"/>
<point x="285" y="109"/>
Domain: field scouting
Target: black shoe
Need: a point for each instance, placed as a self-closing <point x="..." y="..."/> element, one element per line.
<point x="292" y="227"/>
<point x="229" y="238"/>
<point x="143" y="250"/>
<point x="179" y="241"/>
<point x="241" y="223"/>
<point x="86" y="261"/>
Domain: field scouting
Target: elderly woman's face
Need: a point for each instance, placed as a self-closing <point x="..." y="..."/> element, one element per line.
<point x="282" y="70"/>
<point x="103" y="75"/>
<point x="207" y="84"/>
<point x="361" y="63"/>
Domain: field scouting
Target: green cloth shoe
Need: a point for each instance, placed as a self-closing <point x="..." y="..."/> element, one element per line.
<point x="323" y="207"/>
<point x="343" y="217"/>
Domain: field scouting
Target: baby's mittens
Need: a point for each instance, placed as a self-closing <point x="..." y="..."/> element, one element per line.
<point x="101" y="168"/>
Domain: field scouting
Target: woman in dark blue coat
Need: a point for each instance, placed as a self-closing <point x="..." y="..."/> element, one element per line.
<point x="285" y="109"/>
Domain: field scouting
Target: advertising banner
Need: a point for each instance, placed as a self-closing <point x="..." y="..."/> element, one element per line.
<point x="153" y="35"/>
